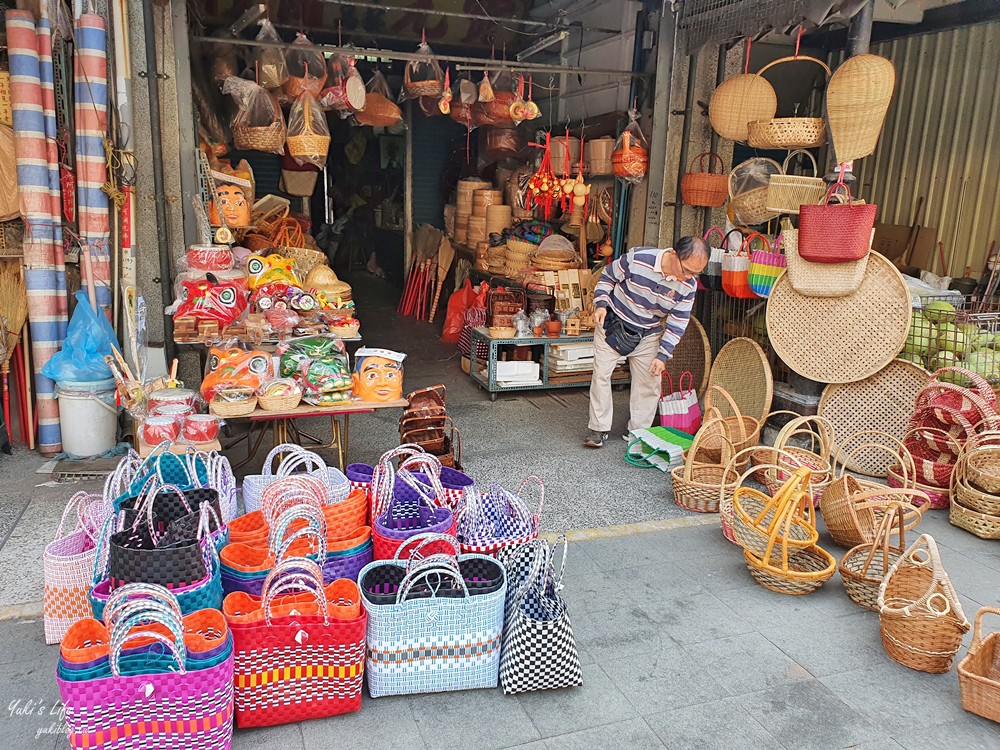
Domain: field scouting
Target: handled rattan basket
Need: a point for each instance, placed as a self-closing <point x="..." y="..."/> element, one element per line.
<point x="979" y="671"/>
<point x="268" y="138"/>
<point x="309" y="144"/>
<point x="788" y="132"/>
<point x="865" y="566"/>
<point x="708" y="189"/>
<point x="702" y="487"/>
<point x="787" y="192"/>
<point x="230" y="409"/>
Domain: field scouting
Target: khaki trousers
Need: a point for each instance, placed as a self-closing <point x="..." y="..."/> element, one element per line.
<point x="645" y="389"/>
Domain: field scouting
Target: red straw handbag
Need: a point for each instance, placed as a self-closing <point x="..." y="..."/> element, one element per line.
<point x="836" y="233"/>
<point x="736" y="269"/>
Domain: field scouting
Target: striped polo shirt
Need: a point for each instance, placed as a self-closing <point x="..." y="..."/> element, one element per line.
<point x="640" y="294"/>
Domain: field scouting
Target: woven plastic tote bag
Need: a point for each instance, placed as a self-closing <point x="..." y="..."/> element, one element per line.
<point x="299" y="649"/>
<point x="539" y="649"/>
<point x="491" y="520"/>
<point x="295" y="457"/>
<point x="437" y="634"/>
<point x="186" y="703"/>
<point x="68" y="564"/>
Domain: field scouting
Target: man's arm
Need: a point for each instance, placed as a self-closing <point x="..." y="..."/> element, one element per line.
<point x="613" y="273"/>
<point x="676" y="324"/>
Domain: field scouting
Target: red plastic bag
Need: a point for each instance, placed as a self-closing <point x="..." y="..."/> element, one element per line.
<point x="458" y="302"/>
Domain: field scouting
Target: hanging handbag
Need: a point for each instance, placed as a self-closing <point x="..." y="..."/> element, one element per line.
<point x="173" y="695"/>
<point x="67" y="565"/>
<point x="765" y="268"/>
<point x="736" y="269"/>
<point x="679" y="408"/>
<point x="703" y="188"/>
<point x="711" y="277"/>
<point x="539" y="648"/>
<point x="300" y="648"/>
<point x="786" y="193"/>
<point x="836" y="233"/>
<point x="820" y="279"/>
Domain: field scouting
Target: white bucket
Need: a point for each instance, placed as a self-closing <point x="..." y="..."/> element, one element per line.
<point x="87" y="416"/>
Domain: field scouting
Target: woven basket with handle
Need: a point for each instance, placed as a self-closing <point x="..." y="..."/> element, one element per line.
<point x="269" y="138"/>
<point x="788" y="132"/>
<point x="979" y="671"/>
<point x="705" y="188"/>
<point x="701" y="487"/>
<point x="786" y="192"/>
<point x="921" y="617"/>
<point x="865" y="566"/>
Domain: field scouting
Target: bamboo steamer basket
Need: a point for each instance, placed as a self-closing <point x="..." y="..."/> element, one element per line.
<point x="738" y="101"/>
<point x="477" y="229"/>
<point x="920" y="615"/>
<point x="857" y="100"/>
<point x="483" y="199"/>
<point x="498" y="218"/>
<point x="597" y="156"/>
<point x="562" y="165"/>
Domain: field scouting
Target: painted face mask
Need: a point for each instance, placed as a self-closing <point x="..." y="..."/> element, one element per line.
<point x="229" y="367"/>
<point x="231" y="201"/>
<point x="209" y="299"/>
<point x="271" y="269"/>
<point x="378" y="374"/>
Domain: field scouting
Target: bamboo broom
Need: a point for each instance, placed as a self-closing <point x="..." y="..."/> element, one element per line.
<point x="13" y="307"/>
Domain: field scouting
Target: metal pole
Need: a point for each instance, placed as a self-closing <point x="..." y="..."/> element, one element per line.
<point x="386" y="54"/>
<point x="665" y="38"/>
<point x="623" y="191"/>
<point x="408" y="191"/>
<point x="720" y="76"/>
<point x="685" y="142"/>
<point x="471" y="16"/>
<point x="859" y="35"/>
<point x="156" y="141"/>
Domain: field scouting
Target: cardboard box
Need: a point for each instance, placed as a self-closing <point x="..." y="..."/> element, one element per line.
<point x="890" y="241"/>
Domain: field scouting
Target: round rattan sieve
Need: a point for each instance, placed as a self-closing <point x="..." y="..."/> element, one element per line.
<point x="883" y="401"/>
<point x="742" y="370"/>
<point x="693" y="354"/>
<point x="841" y="339"/>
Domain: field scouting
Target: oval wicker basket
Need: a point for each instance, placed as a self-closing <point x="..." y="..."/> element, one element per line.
<point x="285" y="402"/>
<point x="701" y="188"/>
<point x="788" y="133"/>
<point x="786" y="193"/>
<point x="702" y="487"/>
<point x="865" y="566"/>
<point x="797" y="572"/>
<point x="978" y="675"/>
<point x="742" y="431"/>
<point x="231" y="409"/>
<point x="982" y="462"/>
<point x="920" y="615"/>
<point x="757" y="515"/>
<point x="983" y="525"/>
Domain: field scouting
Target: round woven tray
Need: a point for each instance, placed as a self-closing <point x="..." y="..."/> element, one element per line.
<point x="693" y="354"/>
<point x="841" y="339"/>
<point x="742" y="370"/>
<point x="883" y="400"/>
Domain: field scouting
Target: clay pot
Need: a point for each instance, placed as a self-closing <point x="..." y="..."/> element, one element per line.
<point x="537" y="330"/>
<point x="552" y="328"/>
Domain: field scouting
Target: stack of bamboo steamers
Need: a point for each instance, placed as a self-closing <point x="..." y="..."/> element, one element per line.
<point x="464" y="207"/>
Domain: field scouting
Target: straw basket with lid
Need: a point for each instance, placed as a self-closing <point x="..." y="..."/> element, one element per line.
<point x="556" y="253"/>
<point x="464" y="194"/>
<point x="788" y="132"/>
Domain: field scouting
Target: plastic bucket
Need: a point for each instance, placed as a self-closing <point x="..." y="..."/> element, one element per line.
<point x="88" y="416"/>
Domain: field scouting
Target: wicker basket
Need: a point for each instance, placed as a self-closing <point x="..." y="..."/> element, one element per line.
<point x="230" y="409"/>
<point x="502" y="332"/>
<point x="816" y="457"/>
<point x="305" y="258"/>
<point x="983" y="525"/>
<point x="787" y="192"/>
<point x="857" y="101"/>
<point x="270" y="138"/>
<point x="865" y="566"/>
<point x="982" y="462"/>
<point x="738" y="101"/>
<point x="853" y="509"/>
<point x="702" y="487"/>
<point x="379" y="112"/>
<point x="750" y="206"/>
<point x="740" y="462"/>
<point x="285" y="402"/>
<point x="796" y="571"/>
<point x="702" y="188"/>
<point x="309" y="144"/>
<point x="415" y="89"/>
<point x="788" y="133"/>
<point x="937" y="497"/>
<point x="921" y="617"/>
<point x="756" y="516"/>
<point x="743" y="431"/>
<point x="979" y="671"/>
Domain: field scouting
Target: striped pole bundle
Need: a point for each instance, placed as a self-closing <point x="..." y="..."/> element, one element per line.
<point x="90" y="113"/>
<point x="33" y="104"/>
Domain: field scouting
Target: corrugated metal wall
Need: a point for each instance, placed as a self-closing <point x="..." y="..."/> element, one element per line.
<point x="941" y="141"/>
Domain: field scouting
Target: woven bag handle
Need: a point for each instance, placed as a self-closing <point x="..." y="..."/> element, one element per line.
<point x="537" y="573"/>
<point x="731" y="468"/>
<point x="286" y="501"/>
<point x="700" y="158"/>
<point x="794" y="492"/>
<point x="979" y="383"/>
<point x="442" y="571"/>
<point x="279" y="544"/>
<point x="276" y="451"/>
<point x="709" y="234"/>
<point x="670" y="384"/>
<point x="951" y="603"/>
<point x="541" y="491"/>
<point x="151" y="491"/>
<point x="132" y="592"/>
<point x="120" y="480"/>
<point x="788" y="159"/>
<point x="176" y="647"/>
<point x="893" y="517"/>
<point x="780" y="528"/>
<point x="312" y="462"/>
<point x="192" y="457"/>
<point x="421" y="540"/>
<point x="76" y="503"/>
<point x="737" y="414"/>
<point x="748" y="243"/>
<point x="823" y="434"/>
<point x="384" y="477"/>
<point x="294" y="574"/>
<point x="977" y="628"/>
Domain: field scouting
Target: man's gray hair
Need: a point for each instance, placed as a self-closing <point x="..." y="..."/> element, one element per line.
<point x="687" y="247"/>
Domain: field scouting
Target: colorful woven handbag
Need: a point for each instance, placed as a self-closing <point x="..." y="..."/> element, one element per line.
<point x="489" y="521"/>
<point x="766" y="265"/>
<point x="736" y="272"/>
<point x="679" y="408"/>
<point x="539" y="648"/>
<point x="170" y="700"/>
<point x="294" y="457"/>
<point x="436" y="634"/>
<point x="68" y="564"/>
<point x="300" y="648"/>
<point x="832" y="233"/>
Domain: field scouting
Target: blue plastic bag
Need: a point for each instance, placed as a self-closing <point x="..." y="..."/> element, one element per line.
<point x="89" y="339"/>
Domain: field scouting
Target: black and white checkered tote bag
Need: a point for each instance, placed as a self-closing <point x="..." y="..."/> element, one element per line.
<point x="539" y="650"/>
